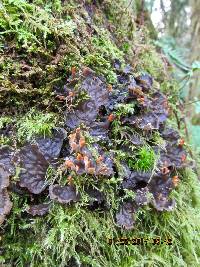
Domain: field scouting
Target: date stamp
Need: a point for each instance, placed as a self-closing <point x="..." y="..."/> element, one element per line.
<point x="139" y="241"/>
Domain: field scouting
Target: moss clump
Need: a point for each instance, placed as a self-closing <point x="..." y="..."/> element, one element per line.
<point x="35" y="123"/>
<point x="101" y="66"/>
<point x="125" y="109"/>
<point x="106" y="47"/>
<point x="5" y="120"/>
<point x="32" y="24"/>
<point x="149" y="61"/>
<point x="145" y="160"/>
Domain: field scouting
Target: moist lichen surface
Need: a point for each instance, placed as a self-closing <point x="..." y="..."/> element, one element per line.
<point x="95" y="157"/>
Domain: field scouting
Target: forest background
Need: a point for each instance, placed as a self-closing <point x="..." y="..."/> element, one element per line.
<point x="177" y="27"/>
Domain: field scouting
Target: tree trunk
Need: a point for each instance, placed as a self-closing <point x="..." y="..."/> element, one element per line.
<point x="195" y="44"/>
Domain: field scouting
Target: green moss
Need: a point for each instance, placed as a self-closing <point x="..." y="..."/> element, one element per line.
<point x="70" y="60"/>
<point x="4" y="140"/>
<point x="35" y="123"/>
<point x="31" y="24"/>
<point x="150" y="62"/>
<point x="102" y="66"/>
<point x="53" y="241"/>
<point x="4" y="120"/>
<point x="120" y="14"/>
<point x="158" y="140"/>
<point x="144" y="160"/>
<point x="125" y="109"/>
<point x="106" y="47"/>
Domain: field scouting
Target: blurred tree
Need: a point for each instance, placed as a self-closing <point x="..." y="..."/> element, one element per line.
<point x="195" y="44"/>
<point x="144" y="16"/>
<point x="176" y="18"/>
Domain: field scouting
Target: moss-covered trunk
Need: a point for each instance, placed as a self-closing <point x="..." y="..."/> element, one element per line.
<point x="92" y="161"/>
